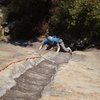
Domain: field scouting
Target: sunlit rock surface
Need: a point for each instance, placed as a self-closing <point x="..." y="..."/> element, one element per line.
<point x="50" y="76"/>
<point x="77" y="80"/>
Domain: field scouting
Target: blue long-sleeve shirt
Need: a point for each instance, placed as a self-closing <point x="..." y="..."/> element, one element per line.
<point x="53" y="41"/>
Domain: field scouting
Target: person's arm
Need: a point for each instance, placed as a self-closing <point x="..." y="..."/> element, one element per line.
<point x="58" y="47"/>
<point x="41" y="46"/>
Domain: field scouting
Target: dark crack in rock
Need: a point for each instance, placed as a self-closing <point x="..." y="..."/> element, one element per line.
<point x="30" y="85"/>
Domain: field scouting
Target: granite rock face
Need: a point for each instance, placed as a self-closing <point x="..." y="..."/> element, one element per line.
<point x="35" y="75"/>
<point x="77" y="80"/>
<point x="51" y="76"/>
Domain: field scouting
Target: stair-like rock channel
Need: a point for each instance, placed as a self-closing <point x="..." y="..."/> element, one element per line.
<point x="31" y="83"/>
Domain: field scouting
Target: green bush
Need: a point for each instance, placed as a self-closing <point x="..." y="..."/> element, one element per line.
<point x="76" y="19"/>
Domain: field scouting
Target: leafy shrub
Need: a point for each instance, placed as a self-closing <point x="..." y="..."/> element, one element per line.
<point x="76" y="20"/>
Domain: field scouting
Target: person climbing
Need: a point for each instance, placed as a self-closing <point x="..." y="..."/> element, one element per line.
<point x="53" y="41"/>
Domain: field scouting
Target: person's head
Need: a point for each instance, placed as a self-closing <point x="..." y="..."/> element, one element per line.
<point x="50" y="38"/>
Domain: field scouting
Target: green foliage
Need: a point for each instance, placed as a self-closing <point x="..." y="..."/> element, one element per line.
<point x="76" y="19"/>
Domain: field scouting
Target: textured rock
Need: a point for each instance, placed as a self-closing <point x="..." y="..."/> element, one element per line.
<point x="77" y="80"/>
<point x="52" y="76"/>
<point x="32" y="82"/>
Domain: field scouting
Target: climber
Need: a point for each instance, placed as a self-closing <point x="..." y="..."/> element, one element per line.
<point x="53" y="41"/>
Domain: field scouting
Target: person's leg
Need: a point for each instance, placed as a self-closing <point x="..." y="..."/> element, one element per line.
<point x="68" y="49"/>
